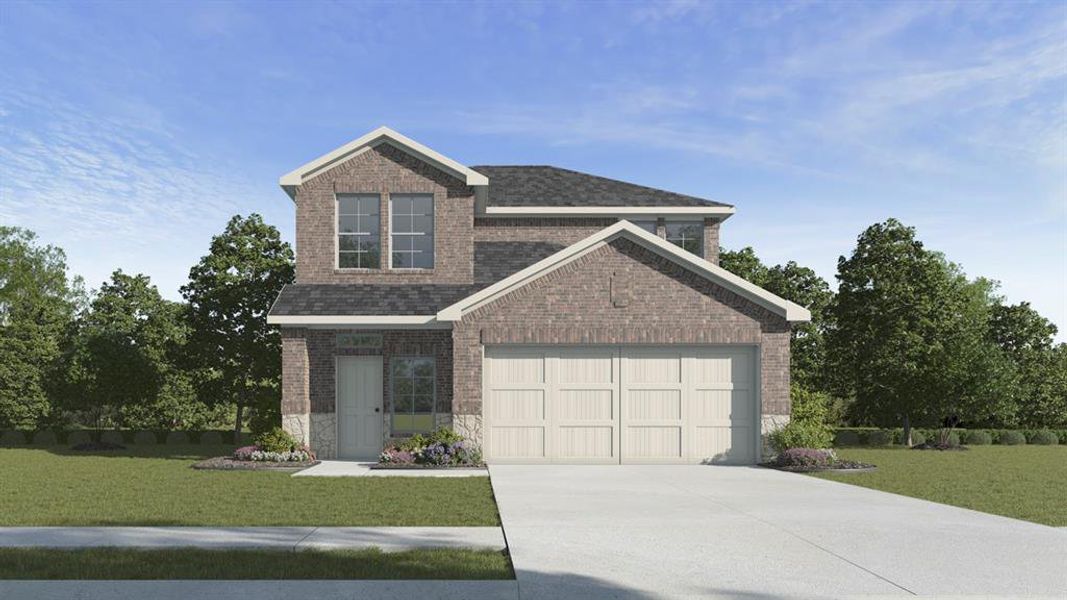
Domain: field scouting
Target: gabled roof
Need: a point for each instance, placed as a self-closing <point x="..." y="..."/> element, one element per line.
<point x="714" y="273"/>
<point x="381" y="135"/>
<point x="543" y="186"/>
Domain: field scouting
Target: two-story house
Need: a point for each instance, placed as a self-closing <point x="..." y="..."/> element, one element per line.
<point x="546" y="314"/>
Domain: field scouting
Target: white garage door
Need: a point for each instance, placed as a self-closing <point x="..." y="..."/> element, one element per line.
<point x="611" y="404"/>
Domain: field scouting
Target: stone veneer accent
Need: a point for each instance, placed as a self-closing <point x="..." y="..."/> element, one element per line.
<point x="298" y="426"/>
<point x="383" y="170"/>
<point x="573" y="305"/>
<point x="309" y="383"/>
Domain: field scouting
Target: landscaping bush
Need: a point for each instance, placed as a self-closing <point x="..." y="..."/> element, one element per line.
<point x="276" y="440"/>
<point x="145" y="438"/>
<point x="880" y="437"/>
<point x="439" y="448"/>
<point x="917" y="437"/>
<point x="806" y="457"/>
<point x="1044" y="437"/>
<point x="45" y="438"/>
<point x="12" y="438"/>
<point x="977" y="437"/>
<point x="213" y="438"/>
<point x="800" y="435"/>
<point x="112" y="437"/>
<point x="1010" y="437"/>
<point x="846" y="437"/>
<point x="177" y="437"/>
<point x="78" y="437"/>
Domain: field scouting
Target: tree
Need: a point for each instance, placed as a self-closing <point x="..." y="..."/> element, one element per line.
<point x="909" y="337"/>
<point x="797" y="284"/>
<point x="37" y="302"/>
<point x="1026" y="338"/>
<point x="229" y="293"/>
<point x="125" y="348"/>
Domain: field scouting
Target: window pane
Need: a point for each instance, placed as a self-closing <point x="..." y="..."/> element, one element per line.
<point x="348" y="243"/>
<point x="424" y="404"/>
<point x="348" y="224"/>
<point x="348" y="260"/>
<point x="423" y="367"/>
<point x="422" y="243"/>
<point x="403" y="386"/>
<point x="422" y="224"/>
<point x="687" y="234"/>
<point x="402" y="403"/>
<point x="347" y="205"/>
<point x="401" y="204"/>
<point x="401" y="224"/>
<point x="401" y="367"/>
<point x="422" y="260"/>
<point x="422" y="205"/>
<point x="370" y="205"/>
<point x="401" y="260"/>
<point x="649" y="226"/>
<point x="424" y="387"/>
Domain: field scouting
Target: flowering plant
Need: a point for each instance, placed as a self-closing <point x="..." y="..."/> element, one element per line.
<point x="256" y="453"/>
<point x="440" y="448"/>
<point x="396" y="456"/>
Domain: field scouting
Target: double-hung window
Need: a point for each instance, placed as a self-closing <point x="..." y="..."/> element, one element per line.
<point x="359" y="237"/>
<point x="688" y="235"/>
<point x="413" y="384"/>
<point x="411" y="233"/>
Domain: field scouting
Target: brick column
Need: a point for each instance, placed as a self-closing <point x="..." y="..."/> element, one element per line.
<point x="711" y="240"/>
<point x="296" y="402"/>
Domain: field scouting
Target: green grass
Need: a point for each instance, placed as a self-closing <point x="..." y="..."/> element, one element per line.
<point x="187" y="563"/>
<point x="1023" y="482"/>
<point x="155" y="486"/>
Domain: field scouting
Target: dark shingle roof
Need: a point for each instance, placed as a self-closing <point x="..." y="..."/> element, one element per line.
<point x="553" y="186"/>
<point x="367" y="299"/>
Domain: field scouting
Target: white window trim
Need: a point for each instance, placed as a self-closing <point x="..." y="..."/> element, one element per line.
<point x="433" y="205"/>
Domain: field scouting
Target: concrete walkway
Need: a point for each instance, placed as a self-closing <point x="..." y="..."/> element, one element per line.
<point x="659" y="531"/>
<point x="260" y="590"/>
<point x="346" y="468"/>
<point x="389" y="539"/>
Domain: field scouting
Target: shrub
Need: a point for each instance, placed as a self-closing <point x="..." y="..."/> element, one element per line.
<point x="112" y="437"/>
<point x="244" y="452"/>
<point x="443" y="435"/>
<point x="145" y="438"/>
<point x="78" y="437"/>
<point x="442" y="447"/>
<point x="880" y="437"/>
<point x="800" y="435"/>
<point x="977" y="437"/>
<point x="846" y="437"/>
<point x="809" y="406"/>
<point x="1044" y="437"/>
<point x="806" y="457"/>
<point x="412" y="444"/>
<point x="45" y="438"/>
<point x="917" y="437"/>
<point x="213" y="438"/>
<point x="276" y="440"/>
<point x="1010" y="437"/>
<point x="12" y="438"/>
<point x="177" y="437"/>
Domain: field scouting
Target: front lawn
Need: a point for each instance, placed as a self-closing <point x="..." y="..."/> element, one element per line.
<point x="155" y="486"/>
<point x="187" y="563"/>
<point x="1023" y="482"/>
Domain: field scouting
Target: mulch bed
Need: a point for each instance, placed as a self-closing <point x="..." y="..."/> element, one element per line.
<point x="844" y="466"/>
<point x="97" y="446"/>
<point x="936" y="446"/>
<point x="226" y="463"/>
<point x="414" y="467"/>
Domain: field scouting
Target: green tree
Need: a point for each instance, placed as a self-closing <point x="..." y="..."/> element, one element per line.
<point x="909" y="338"/>
<point x="37" y="302"/>
<point x="802" y="286"/>
<point x="229" y="293"/>
<point x="125" y="349"/>
<point x="1026" y="338"/>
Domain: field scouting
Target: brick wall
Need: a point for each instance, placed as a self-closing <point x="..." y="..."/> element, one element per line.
<point x="666" y="304"/>
<point x="383" y="170"/>
<point x="711" y="240"/>
<point x="552" y="230"/>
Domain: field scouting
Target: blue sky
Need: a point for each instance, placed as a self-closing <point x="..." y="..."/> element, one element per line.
<point x="129" y="132"/>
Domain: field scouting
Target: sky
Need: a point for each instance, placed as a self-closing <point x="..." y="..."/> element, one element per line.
<point x="130" y="132"/>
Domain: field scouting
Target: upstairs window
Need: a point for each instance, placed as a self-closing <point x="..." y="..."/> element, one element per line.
<point x="359" y="237"/>
<point x="649" y="226"/>
<point x="688" y="235"/>
<point x="411" y="234"/>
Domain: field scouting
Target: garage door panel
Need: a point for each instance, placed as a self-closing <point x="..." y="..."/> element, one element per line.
<point x="653" y="405"/>
<point x="721" y="406"/>
<point x="586" y="405"/>
<point x="596" y="366"/>
<point x="519" y="367"/>
<point x="652" y="442"/>
<point x="585" y="442"/>
<point x="518" y="405"/>
<point x="517" y="442"/>
<point x="722" y="445"/>
<point x="722" y="366"/>
<point x="650" y="366"/>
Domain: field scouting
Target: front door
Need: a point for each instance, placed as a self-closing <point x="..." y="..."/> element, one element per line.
<point x="359" y="407"/>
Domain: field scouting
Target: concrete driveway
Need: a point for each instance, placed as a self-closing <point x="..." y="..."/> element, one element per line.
<point x="700" y="531"/>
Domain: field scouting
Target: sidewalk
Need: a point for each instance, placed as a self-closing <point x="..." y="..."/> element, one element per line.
<point x="389" y="539"/>
<point x="261" y="590"/>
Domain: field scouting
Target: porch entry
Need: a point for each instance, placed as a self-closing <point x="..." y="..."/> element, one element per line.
<point x="359" y="407"/>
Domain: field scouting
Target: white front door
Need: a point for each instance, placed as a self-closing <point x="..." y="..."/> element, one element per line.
<point x="359" y="407"/>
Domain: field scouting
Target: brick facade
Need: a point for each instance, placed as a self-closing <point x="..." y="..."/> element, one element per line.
<point x="667" y="305"/>
<point x="383" y="170"/>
